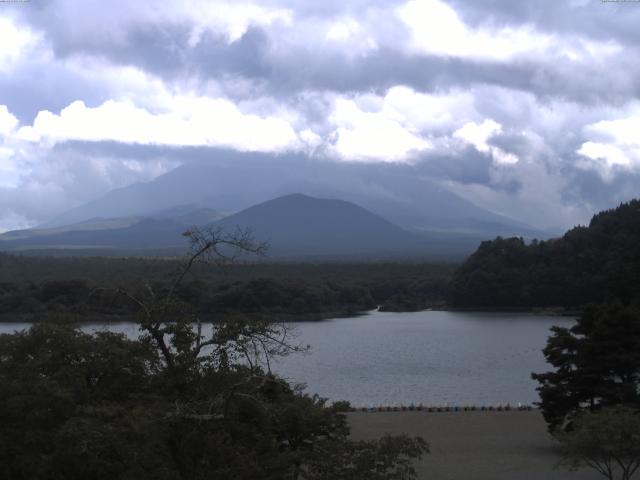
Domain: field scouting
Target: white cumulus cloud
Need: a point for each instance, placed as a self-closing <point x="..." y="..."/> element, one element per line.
<point x="614" y="143"/>
<point x="188" y="121"/>
<point x="478" y="135"/>
<point x="436" y="28"/>
<point x="15" y="42"/>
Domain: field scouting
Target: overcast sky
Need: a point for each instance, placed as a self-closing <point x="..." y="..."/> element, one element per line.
<point x="528" y="108"/>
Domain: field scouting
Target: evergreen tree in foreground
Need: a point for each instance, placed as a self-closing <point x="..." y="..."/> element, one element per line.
<point x="597" y="364"/>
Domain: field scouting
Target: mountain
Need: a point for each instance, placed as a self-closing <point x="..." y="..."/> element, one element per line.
<point x="163" y="228"/>
<point x="234" y="181"/>
<point x="296" y="226"/>
<point x="92" y="224"/>
<point x="191" y="214"/>
<point x="587" y="264"/>
<point x="145" y="234"/>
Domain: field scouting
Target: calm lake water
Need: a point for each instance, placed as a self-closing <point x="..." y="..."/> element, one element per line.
<point x="426" y="357"/>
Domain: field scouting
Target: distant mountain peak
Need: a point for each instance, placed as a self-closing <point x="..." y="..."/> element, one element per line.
<point x="234" y="181"/>
<point x="298" y="224"/>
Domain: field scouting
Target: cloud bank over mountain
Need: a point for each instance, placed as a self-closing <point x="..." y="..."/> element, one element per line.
<point x="526" y="108"/>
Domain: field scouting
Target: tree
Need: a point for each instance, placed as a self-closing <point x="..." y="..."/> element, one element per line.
<point x="65" y="394"/>
<point x="607" y="440"/>
<point x="176" y="404"/>
<point x="389" y="458"/>
<point x="596" y="263"/>
<point x="171" y="332"/>
<point x="597" y="364"/>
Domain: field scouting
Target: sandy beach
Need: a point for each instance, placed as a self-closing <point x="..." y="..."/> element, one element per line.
<point x="475" y="445"/>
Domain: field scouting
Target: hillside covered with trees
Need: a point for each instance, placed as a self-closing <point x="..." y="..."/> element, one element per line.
<point x="589" y="264"/>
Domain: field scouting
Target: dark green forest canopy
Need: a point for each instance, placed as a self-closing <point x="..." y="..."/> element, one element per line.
<point x="596" y="363"/>
<point x="34" y="287"/>
<point x="174" y="403"/>
<point x="588" y="264"/>
<point x="79" y="406"/>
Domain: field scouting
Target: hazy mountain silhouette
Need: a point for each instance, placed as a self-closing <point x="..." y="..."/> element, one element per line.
<point x="144" y="234"/>
<point x="301" y="225"/>
<point x="235" y="181"/>
<point x="296" y="226"/>
<point x="192" y="214"/>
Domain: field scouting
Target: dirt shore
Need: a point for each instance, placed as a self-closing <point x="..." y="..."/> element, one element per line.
<point x="474" y="445"/>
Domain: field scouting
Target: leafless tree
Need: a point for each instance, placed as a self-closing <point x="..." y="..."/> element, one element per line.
<point x="180" y="338"/>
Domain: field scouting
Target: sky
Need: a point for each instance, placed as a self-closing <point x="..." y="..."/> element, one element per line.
<point x="528" y="108"/>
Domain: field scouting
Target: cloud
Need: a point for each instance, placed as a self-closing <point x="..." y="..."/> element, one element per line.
<point x="234" y="19"/>
<point x="8" y="122"/>
<point x="613" y="143"/>
<point x="478" y="134"/>
<point x="46" y="181"/>
<point x="371" y="128"/>
<point x="8" y="170"/>
<point x="596" y="20"/>
<point x="437" y="28"/>
<point x="16" y="42"/>
<point x="395" y="126"/>
<point x="291" y="46"/>
<point x="187" y="121"/>
<point x="92" y="23"/>
<point x="372" y="135"/>
<point x="492" y="97"/>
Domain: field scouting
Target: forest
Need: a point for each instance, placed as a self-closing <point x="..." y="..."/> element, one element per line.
<point x="87" y="287"/>
<point x="76" y="405"/>
<point x="589" y="264"/>
<point x="173" y="404"/>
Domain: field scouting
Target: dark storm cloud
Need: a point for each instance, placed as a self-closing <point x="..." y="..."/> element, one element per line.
<point x="46" y="86"/>
<point x="145" y="153"/>
<point x="595" y="19"/>
<point x="164" y="49"/>
<point x="542" y="99"/>
<point x="468" y="166"/>
<point x="601" y="193"/>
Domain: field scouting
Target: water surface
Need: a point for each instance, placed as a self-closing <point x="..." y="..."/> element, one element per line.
<point x="429" y="357"/>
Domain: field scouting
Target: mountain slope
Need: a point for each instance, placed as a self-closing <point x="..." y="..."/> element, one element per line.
<point x="301" y="225"/>
<point x="296" y="226"/>
<point x="145" y="234"/>
<point x="236" y="181"/>
<point x="588" y="264"/>
<point x="162" y="229"/>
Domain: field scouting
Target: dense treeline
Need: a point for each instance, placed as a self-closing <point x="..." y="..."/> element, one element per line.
<point x="264" y="296"/>
<point x="79" y="406"/>
<point x="174" y="403"/>
<point x="588" y="264"/>
<point x="32" y="287"/>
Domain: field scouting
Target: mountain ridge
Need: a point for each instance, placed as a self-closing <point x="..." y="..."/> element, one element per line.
<point x="296" y="225"/>
<point x="240" y="181"/>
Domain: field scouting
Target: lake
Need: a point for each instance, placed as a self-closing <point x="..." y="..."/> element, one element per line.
<point x="430" y="357"/>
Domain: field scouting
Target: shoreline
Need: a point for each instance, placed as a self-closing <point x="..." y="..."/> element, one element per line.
<point x="442" y="408"/>
<point x="277" y="318"/>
